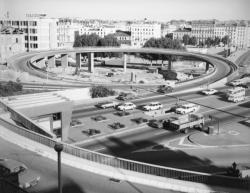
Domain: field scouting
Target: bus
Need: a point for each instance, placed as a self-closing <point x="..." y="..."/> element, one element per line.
<point x="236" y="94"/>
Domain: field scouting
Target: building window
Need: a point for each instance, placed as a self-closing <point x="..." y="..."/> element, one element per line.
<point x="16" y="40"/>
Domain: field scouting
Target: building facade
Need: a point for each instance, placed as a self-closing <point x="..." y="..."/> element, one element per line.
<point x="67" y="30"/>
<point x="142" y="32"/>
<point x="40" y="32"/>
<point x="123" y="37"/>
<point x="11" y="43"/>
<point x="178" y="34"/>
<point x="100" y="31"/>
<point x="203" y="29"/>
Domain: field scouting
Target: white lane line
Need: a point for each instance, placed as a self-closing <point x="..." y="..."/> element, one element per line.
<point x="159" y="133"/>
<point x="102" y="148"/>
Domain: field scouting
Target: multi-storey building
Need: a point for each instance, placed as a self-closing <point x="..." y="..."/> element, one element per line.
<point x="142" y="32"/>
<point x="178" y="34"/>
<point x="67" y="30"/>
<point x="11" y="42"/>
<point x="203" y="29"/>
<point x="123" y="37"/>
<point x="100" y="31"/>
<point x="168" y="29"/>
<point x="40" y="32"/>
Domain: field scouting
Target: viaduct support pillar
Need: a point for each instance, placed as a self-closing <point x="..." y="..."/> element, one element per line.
<point x="170" y="63"/>
<point x="51" y="61"/>
<point x="64" y="60"/>
<point x="91" y="62"/>
<point x="78" y="60"/>
<point x="124" y="63"/>
<point x="207" y="66"/>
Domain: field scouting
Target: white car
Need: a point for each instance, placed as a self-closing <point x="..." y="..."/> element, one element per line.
<point x="209" y="91"/>
<point x="187" y="108"/>
<point x="152" y="106"/>
<point x="235" y="83"/>
<point x="126" y="106"/>
<point x="107" y="104"/>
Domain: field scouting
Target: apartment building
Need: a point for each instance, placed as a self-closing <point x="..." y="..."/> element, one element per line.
<point x="178" y="34"/>
<point x="123" y="37"/>
<point x="40" y="33"/>
<point x="67" y="30"/>
<point x="142" y="32"/>
<point x="203" y="29"/>
<point x="11" y="42"/>
<point x="168" y="29"/>
<point x="100" y="31"/>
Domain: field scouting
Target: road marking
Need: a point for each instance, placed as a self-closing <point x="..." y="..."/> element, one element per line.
<point x="159" y="133"/>
<point x="232" y="132"/>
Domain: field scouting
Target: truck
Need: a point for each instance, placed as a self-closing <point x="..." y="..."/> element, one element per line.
<point x="186" y="122"/>
<point x="236" y="94"/>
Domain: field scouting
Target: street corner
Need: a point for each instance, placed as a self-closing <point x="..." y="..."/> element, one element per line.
<point x="232" y="136"/>
<point x="179" y="143"/>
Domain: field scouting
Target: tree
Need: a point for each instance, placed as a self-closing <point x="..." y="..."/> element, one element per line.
<point x="226" y="40"/>
<point x="209" y="42"/>
<point x="86" y="40"/>
<point x="166" y="43"/>
<point x="185" y="39"/>
<point x="217" y="41"/>
<point x="193" y="40"/>
<point x="109" y="40"/>
<point x="169" y="35"/>
<point x="101" y="91"/>
<point x="77" y="42"/>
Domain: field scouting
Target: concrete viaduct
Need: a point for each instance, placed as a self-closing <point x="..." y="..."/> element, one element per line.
<point x="51" y="59"/>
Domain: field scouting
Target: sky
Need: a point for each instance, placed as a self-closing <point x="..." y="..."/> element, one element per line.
<point x="160" y="10"/>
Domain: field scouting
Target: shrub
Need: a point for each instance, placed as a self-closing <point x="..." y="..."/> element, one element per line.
<point x="101" y="91"/>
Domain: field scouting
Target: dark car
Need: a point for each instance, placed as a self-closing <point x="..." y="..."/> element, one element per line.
<point x="126" y="96"/>
<point x="9" y="166"/>
<point x="156" y="123"/>
<point x="165" y="89"/>
<point x="140" y="120"/>
<point x="117" y="125"/>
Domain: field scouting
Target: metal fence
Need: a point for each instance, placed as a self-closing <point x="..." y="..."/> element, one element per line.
<point x="130" y="165"/>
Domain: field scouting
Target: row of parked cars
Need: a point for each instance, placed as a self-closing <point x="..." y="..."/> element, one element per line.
<point x="129" y="106"/>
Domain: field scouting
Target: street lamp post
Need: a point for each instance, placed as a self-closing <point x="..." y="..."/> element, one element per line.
<point x="58" y="148"/>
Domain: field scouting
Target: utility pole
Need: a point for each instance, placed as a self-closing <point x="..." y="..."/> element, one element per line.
<point x="58" y="148"/>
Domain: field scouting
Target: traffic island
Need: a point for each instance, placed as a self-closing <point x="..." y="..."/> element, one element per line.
<point x="234" y="134"/>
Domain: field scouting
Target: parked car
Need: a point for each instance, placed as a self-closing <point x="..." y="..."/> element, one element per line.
<point x="91" y="132"/>
<point x="117" y="125"/>
<point x="126" y="96"/>
<point x="75" y="122"/>
<point x="107" y="104"/>
<point x="165" y="89"/>
<point x="209" y="91"/>
<point x="9" y="166"/>
<point x="140" y="120"/>
<point x="152" y="106"/>
<point x="99" y="118"/>
<point x="28" y="179"/>
<point x="126" y="106"/>
<point x="156" y="123"/>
